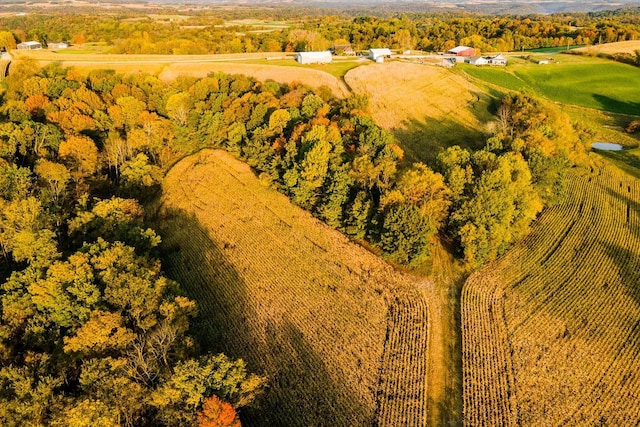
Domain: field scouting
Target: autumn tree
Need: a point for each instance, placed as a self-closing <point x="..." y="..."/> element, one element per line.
<point x="117" y="327"/>
<point x="56" y="176"/>
<point x="216" y="413"/>
<point x="81" y="156"/>
<point x="499" y="208"/>
<point x="7" y="41"/>
<point x="414" y="211"/>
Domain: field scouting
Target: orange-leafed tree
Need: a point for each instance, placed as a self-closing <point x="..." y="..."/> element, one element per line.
<point x="216" y="413"/>
<point x="81" y="153"/>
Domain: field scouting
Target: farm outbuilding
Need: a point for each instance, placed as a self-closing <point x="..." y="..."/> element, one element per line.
<point x="378" y="55"/>
<point x="477" y="60"/>
<point x="343" y="49"/>
<point x="30" y="46"/>
<point x="57" y="45"/>
<point x="462" y="51"/>
<point x="323" y="57"/>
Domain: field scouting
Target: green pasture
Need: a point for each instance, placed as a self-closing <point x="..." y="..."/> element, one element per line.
<point x="587" y="82"/>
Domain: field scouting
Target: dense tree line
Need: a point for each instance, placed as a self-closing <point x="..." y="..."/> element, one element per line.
<point x="498" y="191"/>
<point x="206" y="33"/>
<point x="91" y="332"/>
<point x="79" y="134"/>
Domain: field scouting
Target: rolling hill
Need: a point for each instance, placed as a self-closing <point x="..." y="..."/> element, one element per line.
<point x="628" y="46"/>
<point x="425" y="107"/>
<point x="551" y="331"/>
<point x="340" y="335"/>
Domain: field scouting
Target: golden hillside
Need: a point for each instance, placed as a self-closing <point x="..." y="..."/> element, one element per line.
<point x="341" y="336"/>
<point x="551" y="331"/>
<point x="426" y="107"/>
<point x="629" y="46"/>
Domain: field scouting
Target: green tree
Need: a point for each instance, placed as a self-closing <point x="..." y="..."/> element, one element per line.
<point x="405" y="234"/>
<point x="499" y="210"/>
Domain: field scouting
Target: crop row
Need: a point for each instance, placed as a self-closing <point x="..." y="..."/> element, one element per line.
<point x="279" y="289"/>
<point x="403" y="374"/>
<point x="570" y="307"/>
<point x="486" y="365"/>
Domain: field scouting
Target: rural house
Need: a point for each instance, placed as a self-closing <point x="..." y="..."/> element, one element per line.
<point x="30" y="46"/>
<point x="378" y="55"/>
<point x="462" y="51"/>
<point x="323" y="57"/>
<point x="498" y="59"/>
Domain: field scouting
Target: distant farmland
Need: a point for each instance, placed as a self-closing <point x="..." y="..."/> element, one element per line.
<point x="551" y="331"/>
<point x="587" y="82"/>
<point x="629" y="46"/>
<point x="341" y="336"/>
<point x="169" y="67"/>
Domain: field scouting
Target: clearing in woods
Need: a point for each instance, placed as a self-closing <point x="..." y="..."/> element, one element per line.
<point x="551" y="331"/>
<point x="341" y="336"/>
<point x="426" y="107"/>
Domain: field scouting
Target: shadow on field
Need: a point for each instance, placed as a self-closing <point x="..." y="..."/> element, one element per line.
<point x="300" y="391"/>
<point x="632" y="207"/>
<point x="627" y="160"/>
<point x="423" y="140"/>
<point x="616" y="106"/>
<point x="196" y="262"/>
<point x="628" y="265"/>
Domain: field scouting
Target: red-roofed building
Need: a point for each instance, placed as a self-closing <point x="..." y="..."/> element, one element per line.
<point x="462" y="51"/>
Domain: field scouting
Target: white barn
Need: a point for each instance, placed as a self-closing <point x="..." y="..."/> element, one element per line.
<point x="30" y="45"/>
<point x="377" y="54"/>
<point x="323" y="57"/>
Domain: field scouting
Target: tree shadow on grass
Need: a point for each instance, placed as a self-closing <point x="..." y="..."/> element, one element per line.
<point x="617" y="106"/>
<point x="300" y="390"/>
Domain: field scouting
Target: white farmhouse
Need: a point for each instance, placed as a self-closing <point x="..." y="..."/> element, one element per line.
<point x="323" y="57"/>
